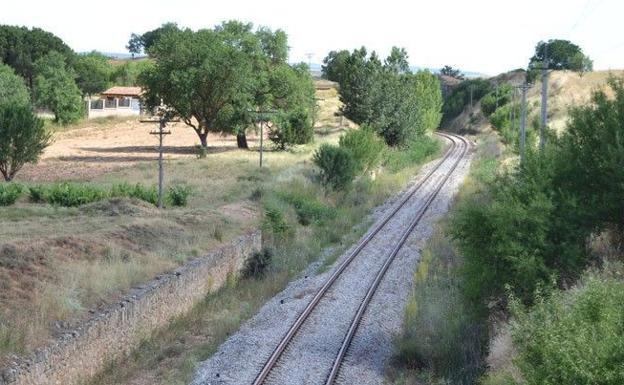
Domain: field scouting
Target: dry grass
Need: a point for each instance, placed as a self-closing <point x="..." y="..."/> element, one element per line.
<point x="57" y="263"/>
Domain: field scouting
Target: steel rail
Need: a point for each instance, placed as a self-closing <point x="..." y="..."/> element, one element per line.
<point x="292" y="331"/>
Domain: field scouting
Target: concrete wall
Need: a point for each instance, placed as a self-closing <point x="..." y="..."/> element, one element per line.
<point x="117" y="330"/>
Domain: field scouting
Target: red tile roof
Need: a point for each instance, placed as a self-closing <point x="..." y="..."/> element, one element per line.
<point x="125" y="91"/>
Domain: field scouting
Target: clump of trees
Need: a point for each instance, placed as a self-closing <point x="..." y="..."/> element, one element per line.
<point x="452" y="72"/>
<point x="221" y="79"/>
<point x="398" y="104"/>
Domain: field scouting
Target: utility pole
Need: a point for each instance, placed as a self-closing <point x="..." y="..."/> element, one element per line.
<point x="523" y="117"/>
<point x="471" y="88"/>
<point x="310" y="55"/>
<point x="162" y="123"/>
<point x="262" y="117"/>
<point x="496" y="98"/>
<point x="544" y="99"/>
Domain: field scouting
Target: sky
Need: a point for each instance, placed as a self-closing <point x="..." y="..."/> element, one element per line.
<point x="486" y="36"/>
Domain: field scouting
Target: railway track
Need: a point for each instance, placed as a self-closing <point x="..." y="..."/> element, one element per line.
<point x="432" y="183"/>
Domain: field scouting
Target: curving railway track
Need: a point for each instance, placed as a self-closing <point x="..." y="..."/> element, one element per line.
<point x="306" y="354"/>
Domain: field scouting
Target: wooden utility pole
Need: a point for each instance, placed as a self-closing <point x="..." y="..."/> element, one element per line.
<point x="262" y="116"/>
<point x="162" y="123"/>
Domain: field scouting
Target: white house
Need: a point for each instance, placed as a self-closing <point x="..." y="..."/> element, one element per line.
<point x="116" y="101"/>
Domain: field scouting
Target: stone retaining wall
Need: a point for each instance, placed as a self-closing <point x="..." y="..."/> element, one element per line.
<point x="117" y="330"/>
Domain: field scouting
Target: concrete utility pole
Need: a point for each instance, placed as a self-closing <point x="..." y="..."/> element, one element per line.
<point x="262" y="117"/>
<point x="544" y="99"/>
<point x="523" y="117"/>
<point x="471" y="88"/>
<point x="162" y="123"/>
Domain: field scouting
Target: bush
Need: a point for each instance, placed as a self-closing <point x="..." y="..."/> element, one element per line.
<point x="274" y="222"/>
<point x="459" y="98"/>
<point x="337" y="164"/>
<point x="71" y="195"/>
<point x="367" y="148"/>
<point x="309" y="209"/>
<point x="574" y="337"/>
<point x="138" y="191"/>
<point x="9" y="193"/>
<point x="292" y="128"/>
<point x="496" y="98"/>
<point x="417" y="151"/>
<point x="38" y="194"/>
<point x="178" y="195"/>
<point x="258" y="264"/>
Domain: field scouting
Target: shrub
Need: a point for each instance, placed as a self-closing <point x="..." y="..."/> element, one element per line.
<point x="496" y="98"/>
<point x="138" y="191"/>
<point x="337" y="164"/>
<point x="38" y="194"/>
<point x="178" y="195"/>
<point x="574" y="337"/>
<point x="70" y="195"/>
<point x="309" y="209"/>
<point x="257" y="265"/>
<point x="292" y="128"/>
<point x="274" y="222"/>
<point x="367" y="148"/>
<point x="9" y="193"/>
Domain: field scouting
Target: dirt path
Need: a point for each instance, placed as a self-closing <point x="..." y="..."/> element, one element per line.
<point x="240" y="358"/>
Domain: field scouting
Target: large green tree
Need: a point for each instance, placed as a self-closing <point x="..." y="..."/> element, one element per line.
<point x="93" y="73"/>
<point x="557" y="54"/>
<point x="21" y="47"/>
<point x="56" y="89"/>
<point x="216" y="79"/>
<point x="143" y="43"/>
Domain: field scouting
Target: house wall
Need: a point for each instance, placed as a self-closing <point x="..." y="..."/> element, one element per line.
<point x="117" y="330"/>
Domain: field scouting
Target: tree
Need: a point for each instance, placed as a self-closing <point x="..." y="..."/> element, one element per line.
<point x="93" y="71"/>
<point x="127" y="73"/>
<point x="135" y="45"/>
<point x="21" y="47"/>
<point x="333" y="67"/>
<point x="452" y="72"/>
<point x="57" y="90"/>
<point x="140" y="43"/>
<point x="12" y="87"/>
<point x="201" y="77"/>
<point x="22" y="137"/>
<point x="561" y="54"/>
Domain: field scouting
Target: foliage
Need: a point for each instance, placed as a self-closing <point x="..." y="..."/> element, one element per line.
<point x="9" y="193"/>
<point x="562" y="55"/>
<point x="21" y="47"/>
<point x="93" y="73"/>
<point x="496" y="98"/>
<point x="57" y="90"/>
<point x="274" y="222"/>
<point x="387" y="96"/>
<point x="178" y="195"/>
<point x="337" y="165"/>
<point x="140" y="43"/>
<point x="574" y="337"/>
<point x="333" y="67"/>
<point x="308" y="209"/>
<point x="417" y="151"/>
<point x="69" y="194"/>
<point x="127" y="73"/>
<point x="459" y="97"/>
<point x="12" y="87"/>
<point x="452" y="72"/>
<point x="138" y="191"/>
<point x="258" y="264"/>
<point x="215" y="79"/>
<point x="291" y="128"/>
<point x="365" y="146"/>
<point x="22" y="138"/>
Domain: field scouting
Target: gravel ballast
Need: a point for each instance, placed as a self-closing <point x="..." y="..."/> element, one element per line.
<point x="309" y="357"/>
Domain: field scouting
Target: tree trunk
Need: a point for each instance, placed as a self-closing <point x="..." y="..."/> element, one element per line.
<point x="203" y="138"/>
<point x="241" y="140"/>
